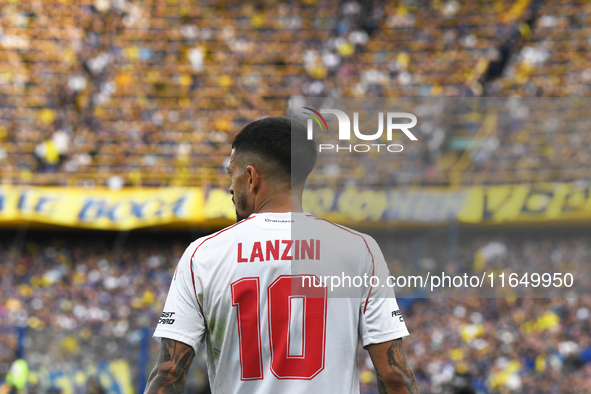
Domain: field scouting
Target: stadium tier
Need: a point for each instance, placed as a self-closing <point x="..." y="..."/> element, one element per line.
<point x="151" y="93"/>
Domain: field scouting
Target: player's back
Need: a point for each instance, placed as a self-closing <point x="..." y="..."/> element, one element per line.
<point x="269" y="324"/>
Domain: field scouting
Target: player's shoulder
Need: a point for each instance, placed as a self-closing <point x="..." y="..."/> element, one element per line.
<point x="220" y="238"/>
<point x="346" y="234"/>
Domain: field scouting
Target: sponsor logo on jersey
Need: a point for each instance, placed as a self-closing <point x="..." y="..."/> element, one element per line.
<point x="165" y="318"/>
<point x="399" y="314"/>
<point x="279" y="220"/>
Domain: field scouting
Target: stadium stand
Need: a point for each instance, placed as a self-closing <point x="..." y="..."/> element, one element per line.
<point x="89" y="299"/>
<point x="151" y="93"/>
<point x="550" y="61"/>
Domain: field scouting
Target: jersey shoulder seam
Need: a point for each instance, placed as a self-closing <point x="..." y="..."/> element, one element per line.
<point x="195" y="251"/>
<point x="207" y="238"/>
<point x="373" y="265"/>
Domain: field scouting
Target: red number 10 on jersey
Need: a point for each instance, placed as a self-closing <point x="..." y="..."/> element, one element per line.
<point x="246" y="299"/>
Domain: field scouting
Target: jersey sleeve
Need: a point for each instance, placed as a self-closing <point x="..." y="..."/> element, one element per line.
<point x="182" y="318"/>
<point x="380" y="318"/>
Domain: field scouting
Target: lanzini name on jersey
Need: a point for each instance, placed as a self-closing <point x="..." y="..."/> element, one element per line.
<point x="279" y="250"/>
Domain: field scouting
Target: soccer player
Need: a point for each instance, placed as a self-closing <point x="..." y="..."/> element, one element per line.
<point x="266" y="329"/>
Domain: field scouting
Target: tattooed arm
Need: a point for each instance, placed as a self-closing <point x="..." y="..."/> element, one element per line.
<point x="169" y="376"/>
<point x="394" y="374"/>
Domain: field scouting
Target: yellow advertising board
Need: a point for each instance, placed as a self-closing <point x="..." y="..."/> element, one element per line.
<point x="479" y="205"/>
<point x="561" y="202"/>
<point x="101" y="208"/>
<point x="196" y="207"/>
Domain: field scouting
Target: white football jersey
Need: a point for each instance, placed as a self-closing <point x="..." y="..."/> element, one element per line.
<point x="247" y="292"/>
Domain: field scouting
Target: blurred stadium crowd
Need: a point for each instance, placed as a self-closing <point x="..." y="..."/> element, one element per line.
<point x="85" y="300"/>
<point x="119" y="92"/>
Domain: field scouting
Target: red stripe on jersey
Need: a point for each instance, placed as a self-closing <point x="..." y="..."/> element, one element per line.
<point x="191" y="259"/>
<point x="373" y="267"/>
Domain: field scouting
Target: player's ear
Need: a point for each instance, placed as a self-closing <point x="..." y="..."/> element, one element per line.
<point x="253" y="178"/>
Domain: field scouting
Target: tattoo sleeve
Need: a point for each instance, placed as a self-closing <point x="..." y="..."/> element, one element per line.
<point x="393" y="373"/>
<point x="399" y="366"/>
<point x="169" y="376"/>
<point x="382" y="389"/>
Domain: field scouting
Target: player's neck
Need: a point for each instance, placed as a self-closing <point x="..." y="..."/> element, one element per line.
<point x="281" y="205"/>
<point x="288" y="199"/>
